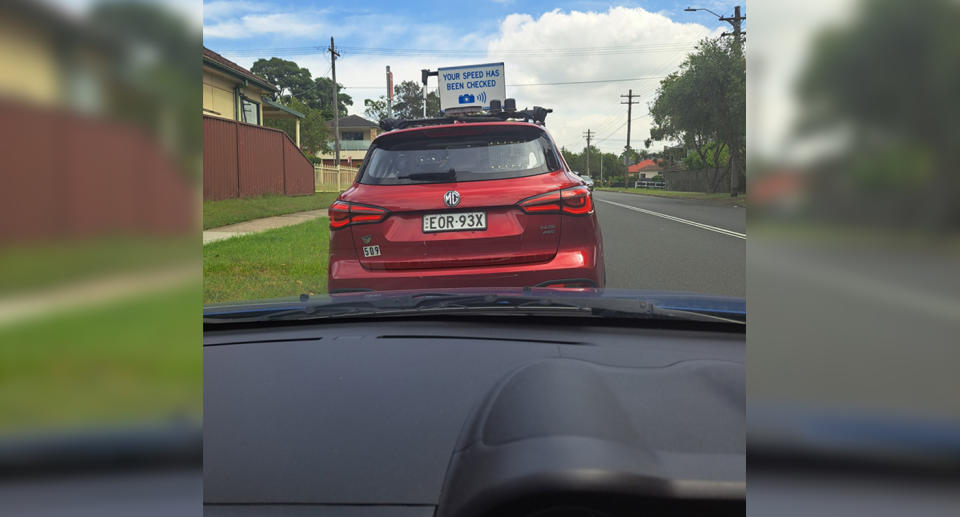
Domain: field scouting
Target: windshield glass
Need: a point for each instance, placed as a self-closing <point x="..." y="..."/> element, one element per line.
<point x="581" y="160"/>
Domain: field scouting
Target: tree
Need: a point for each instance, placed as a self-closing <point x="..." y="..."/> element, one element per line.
<point x="296" y="81"/>
<point x="314" y="132"/>
<point x="613" y="168"/>
<point x="376" y="109"/>
<point x="324" y="98"/>
<point x="292" y="79"/>
<point x="705" y="103"/>
<point x="712" y="156"/>
<point x="848" y="86"/>
<point x="407" y="103"/>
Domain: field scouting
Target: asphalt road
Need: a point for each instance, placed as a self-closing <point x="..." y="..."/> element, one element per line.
<point x="672" y="244"/>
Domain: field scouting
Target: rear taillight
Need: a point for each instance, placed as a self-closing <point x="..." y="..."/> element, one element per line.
<point x="343" y="213"/>
<point x="573" y="201"/>
<point x="577" y="201"/>
<point x="544" y="203"/>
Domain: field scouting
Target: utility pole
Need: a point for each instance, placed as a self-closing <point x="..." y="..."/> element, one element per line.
<point x="735" y="21"/>
<point x="336" y="104"/>
<point x="389" y="92"/>
<point x="601" y="167"/>
<point x="588" y="134"/>
<point x="626" y="154"/>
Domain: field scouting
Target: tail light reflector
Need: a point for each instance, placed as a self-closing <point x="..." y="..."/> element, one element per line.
<point x="572" y="201"/>
<point x="343" y="213"/>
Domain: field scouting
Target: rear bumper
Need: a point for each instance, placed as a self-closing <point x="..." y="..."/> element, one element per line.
<point x="349" y="275"/>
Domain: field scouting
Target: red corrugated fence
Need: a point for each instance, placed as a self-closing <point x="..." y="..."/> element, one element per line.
<point x="70" y="175"/>
<point x="243" y="160"/>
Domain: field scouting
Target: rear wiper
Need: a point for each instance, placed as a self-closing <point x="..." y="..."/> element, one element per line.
<point x="426" y="176"/>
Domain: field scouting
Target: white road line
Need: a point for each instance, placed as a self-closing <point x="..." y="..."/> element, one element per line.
<point x="679" y="220"/>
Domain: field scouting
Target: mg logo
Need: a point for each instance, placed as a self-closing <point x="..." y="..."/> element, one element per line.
<point x="451" y="198"/>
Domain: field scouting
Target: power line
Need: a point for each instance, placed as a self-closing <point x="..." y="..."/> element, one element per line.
<point x="387" y="51"/>
<point x="624" y="123"/>
<point x="561" y="83"/>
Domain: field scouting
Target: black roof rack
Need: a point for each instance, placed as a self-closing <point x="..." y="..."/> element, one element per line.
<point x="537" y="115"/>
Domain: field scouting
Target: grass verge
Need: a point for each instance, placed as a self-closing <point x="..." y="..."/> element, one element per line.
<point x="40" y="265"/>
<point x="229" y="211"/>
<point x="286" y="261"/>
<point x="719" y="197"/>
<point x="127" y="361"/>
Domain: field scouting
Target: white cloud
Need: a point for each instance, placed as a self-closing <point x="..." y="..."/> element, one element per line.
<point x="285" y="24"/>
<point x="592" y="106"/>
<point x="576" y="108"/>
<point x="221" y="9"/>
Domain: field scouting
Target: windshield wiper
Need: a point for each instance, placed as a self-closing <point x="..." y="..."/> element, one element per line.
<point x="444" y="303"/>
<point x="427" y="176"/>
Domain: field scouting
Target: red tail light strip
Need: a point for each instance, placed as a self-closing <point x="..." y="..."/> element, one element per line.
<point x="572" y="201"/>
<point x="544" y="203"/>
<point x="343" y="213"/>
<point x="577" y="201"/>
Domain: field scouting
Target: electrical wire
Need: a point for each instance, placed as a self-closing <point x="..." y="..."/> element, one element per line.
<point x="562" y="83"/>
<point x="385" y="51"/>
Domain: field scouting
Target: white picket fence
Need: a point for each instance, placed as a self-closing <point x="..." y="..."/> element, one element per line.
<point x="330" y="178"/>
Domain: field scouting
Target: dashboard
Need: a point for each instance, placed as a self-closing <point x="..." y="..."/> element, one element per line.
<point x="469" y="417"/>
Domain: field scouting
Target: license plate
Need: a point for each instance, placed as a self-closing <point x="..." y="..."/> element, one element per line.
<point x="458" y="222"/>
<point x="371" y="251"/>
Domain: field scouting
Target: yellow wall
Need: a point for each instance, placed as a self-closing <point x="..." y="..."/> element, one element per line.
<point x="28" y="64"/>
<point x="218" y="96"/>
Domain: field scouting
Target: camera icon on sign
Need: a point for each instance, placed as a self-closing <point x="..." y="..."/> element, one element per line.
<point x="466" y="98"/>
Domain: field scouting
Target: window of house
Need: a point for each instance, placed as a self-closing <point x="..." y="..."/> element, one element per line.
<point x="351" y="135"/>
<point x="249" y="111"/>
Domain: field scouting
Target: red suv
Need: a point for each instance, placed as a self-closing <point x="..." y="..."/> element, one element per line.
<point x="464" y="202"/>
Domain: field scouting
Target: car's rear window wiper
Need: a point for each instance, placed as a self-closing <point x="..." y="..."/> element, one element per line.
<point x="427" y="176"/>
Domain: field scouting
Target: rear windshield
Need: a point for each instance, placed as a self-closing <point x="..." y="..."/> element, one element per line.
<point x="458" y="154"/>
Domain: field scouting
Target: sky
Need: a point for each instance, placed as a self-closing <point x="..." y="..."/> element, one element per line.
<point x="659" y="32"/>
<point x="657" y="35"/>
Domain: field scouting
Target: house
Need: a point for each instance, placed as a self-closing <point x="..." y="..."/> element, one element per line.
<point x="54" y="60"/>
<point x="356" y="133"/>
<point x="646" y="169"/>
<point x="233" y="92"/>
<point x="241" y="156"/>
